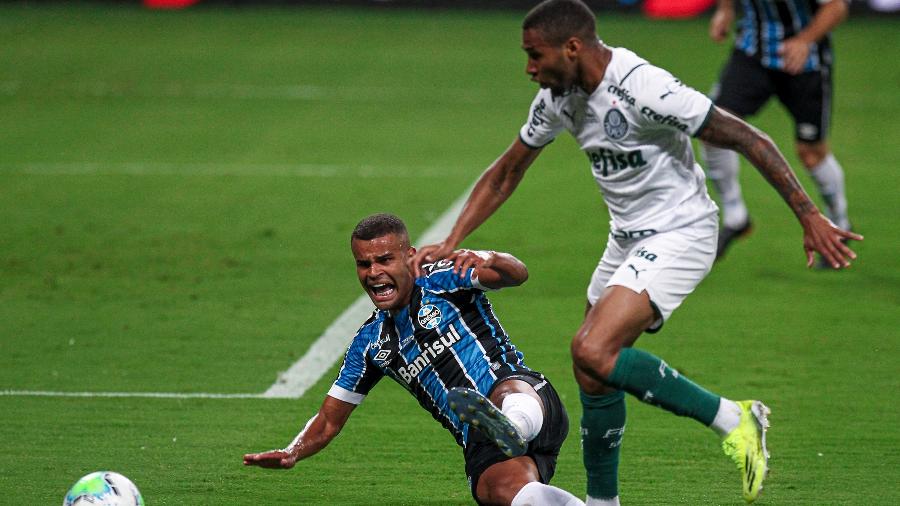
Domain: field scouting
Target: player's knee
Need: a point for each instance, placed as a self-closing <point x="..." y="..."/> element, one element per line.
<point x="593" y="356"/>
<point x="500" y="489"/>
<point x="811" y="154"/>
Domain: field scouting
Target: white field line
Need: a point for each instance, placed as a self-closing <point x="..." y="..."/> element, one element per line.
<point x="158" y="395"/>
<point x="309" y="369"/>
<point x="285" y="92"/>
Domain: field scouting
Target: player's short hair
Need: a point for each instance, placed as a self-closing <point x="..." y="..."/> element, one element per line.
<point x="379" y="225"/>
<point x="557" y="20"/>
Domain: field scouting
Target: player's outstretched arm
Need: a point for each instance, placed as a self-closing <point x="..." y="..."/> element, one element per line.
<point x="318" y="432"/>
<point x="494" y="269"/>
<point x="819" y="233"/>
<point x="490" y="192"/>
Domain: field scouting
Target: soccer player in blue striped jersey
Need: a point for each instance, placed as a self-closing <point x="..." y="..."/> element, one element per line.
<point x="438" y="337"/>
<point x="783" y="49"/>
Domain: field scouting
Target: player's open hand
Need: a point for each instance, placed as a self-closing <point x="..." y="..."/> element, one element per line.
<point x="795" y="51"/>
<point x="720" y="24"/>
<point x="272" y="459"/>
<point x="428" y="254"/>
<point x="822" y="236"/>
<point x="465" y="259"/>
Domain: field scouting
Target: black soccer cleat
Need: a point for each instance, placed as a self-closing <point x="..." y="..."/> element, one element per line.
<point x="727" y="235"/>
<point x="478" y="411"/>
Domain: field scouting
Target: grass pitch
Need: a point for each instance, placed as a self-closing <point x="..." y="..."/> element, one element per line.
<point x="176" y="195"/>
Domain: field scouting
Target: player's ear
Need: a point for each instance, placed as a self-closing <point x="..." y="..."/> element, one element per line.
<point x="572" y="47"/>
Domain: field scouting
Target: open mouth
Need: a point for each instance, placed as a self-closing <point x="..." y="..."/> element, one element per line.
<point x="382" y="291"/>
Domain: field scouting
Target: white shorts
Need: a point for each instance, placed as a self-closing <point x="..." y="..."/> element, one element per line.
<point x="668" y="265"/>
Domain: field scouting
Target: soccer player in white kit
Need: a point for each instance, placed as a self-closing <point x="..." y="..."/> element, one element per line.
<point x="634" y="121"/>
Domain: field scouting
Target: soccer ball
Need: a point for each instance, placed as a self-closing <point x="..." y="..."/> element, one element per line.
<point x="104" y="488"/>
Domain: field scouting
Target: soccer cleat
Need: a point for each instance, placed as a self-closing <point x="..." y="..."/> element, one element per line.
<point x="746" y="445"/>
<point x="476" y="409"/>
<point x="727" y="235"/>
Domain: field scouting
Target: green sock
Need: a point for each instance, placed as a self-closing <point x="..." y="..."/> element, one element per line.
<point x="652" y="381"/>
<point x="602" y="428"/>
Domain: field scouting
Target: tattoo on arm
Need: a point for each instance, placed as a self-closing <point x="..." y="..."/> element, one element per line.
<point x="728" y="131"/>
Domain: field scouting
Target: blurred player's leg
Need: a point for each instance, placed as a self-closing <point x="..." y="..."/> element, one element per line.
<point x="723" y="166"/>
<point x="829" y="178"/>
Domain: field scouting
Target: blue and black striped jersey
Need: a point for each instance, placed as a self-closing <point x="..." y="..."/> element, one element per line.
<point x="764" y="24"/>
<point x="447" y="337"/>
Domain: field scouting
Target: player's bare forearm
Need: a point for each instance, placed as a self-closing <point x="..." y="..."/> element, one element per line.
<point x="316" y="434"/>
<point x="512" y="271"/>
<point x="728" y="131"/>
<point x="494" y="269"/>
<point x="492" y="189"/>
<point x="826" y="19"/>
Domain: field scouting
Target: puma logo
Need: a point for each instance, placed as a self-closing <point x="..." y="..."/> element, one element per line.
<point x="636" y="271"/>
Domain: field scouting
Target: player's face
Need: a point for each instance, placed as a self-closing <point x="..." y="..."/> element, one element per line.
<point x="548" y="65"/>
<point x="381" y="265"/>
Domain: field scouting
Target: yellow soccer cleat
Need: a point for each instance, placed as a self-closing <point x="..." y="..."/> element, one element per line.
<point x="746" y="445"/>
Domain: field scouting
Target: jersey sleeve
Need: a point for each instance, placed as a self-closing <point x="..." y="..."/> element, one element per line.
<point x="543" y="123"/>
<point x="665" y="102"/>
<point x="357" y="375"/>
<point x="440" y="278"/>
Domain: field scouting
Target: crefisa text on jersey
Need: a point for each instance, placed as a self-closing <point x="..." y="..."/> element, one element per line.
<point x="606" y="160"/>
<point x="622" y="93"/>
<point x="665" y="120"/>
<point x="429" y="352"/>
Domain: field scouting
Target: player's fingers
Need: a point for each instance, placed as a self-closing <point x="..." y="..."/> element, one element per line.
<point x="810" y="256"/>
<point x="833" y="256"/>
<point x="845" y="250"/>
<point x="464" y="265"/>
<point x="455" y="256"/>
<point x="851" y="235"/>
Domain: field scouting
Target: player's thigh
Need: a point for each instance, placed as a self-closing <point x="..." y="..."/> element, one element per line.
<point x="807" y="97"/>
<point x="615" y="253"/>
<point x="744" y="85"/>
<point x="668" y="267"/>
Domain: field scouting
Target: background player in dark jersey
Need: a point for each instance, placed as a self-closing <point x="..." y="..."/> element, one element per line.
<point x="438" y="337"/>
<point x="783" y="49"/>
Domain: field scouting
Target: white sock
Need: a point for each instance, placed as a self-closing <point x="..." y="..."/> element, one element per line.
<point x="538" y="494"/>
<point x="594" y="501"/>
<point x="727" y="418"/>
<point x="524" y="411"/>
<point x="723" y="166"/>
<point x="829" y="177"/>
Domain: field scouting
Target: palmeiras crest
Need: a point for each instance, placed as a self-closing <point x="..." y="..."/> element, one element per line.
<point x="615" y="125"/>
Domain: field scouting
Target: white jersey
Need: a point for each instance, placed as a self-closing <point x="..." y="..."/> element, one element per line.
<point x="635" y="129"/>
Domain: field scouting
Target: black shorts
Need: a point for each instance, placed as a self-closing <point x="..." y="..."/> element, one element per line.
<point x="745" y="86"/>
<point x="481" y="453"/>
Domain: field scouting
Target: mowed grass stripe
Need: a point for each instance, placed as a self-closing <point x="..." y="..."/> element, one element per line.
<point x="223" y="169"/>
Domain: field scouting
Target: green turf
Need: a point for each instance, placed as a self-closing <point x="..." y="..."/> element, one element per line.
<point x="176" y="191"/>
